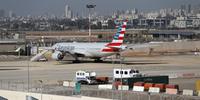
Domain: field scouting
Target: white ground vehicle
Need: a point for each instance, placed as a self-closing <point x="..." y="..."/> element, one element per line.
<point x="126" y="73"/>
<point x="85" y="77"/>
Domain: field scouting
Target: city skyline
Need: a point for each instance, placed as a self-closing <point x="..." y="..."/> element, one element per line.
<point x="104" y="7"/>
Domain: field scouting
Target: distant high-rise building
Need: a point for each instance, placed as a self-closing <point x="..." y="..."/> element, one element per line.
<point x="68" y="12"/>
<point x="11" y="14"/>
<point x="183" y="10"/>
<point x="134" y="11"/>
<point x="2" y="13"/>
<point x="189" y="8"/>
<point x="183" y="7"/>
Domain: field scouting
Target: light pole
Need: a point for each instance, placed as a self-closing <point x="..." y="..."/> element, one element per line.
<point x="90" y="6"/>
<point x="41" y="83"/>
<point x="28" y="69"/>
<point x="121" y="64"/>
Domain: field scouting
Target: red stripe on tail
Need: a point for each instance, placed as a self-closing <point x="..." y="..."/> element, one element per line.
<point x="113" y="44"/>
<point x="110" y="50"/>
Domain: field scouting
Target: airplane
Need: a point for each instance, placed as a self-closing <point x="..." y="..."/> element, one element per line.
<point x="89" y="50"/>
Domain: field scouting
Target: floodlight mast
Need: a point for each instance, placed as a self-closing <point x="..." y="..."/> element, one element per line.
<point x="90" y="6"/>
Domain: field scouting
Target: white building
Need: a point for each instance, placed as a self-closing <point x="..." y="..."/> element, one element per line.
<point x="196" y="22"/>
<point x="180" y="22"/>
<point x="185" y="22"/>
<point x="68" y="12"/>
<point x="152" y="15"/>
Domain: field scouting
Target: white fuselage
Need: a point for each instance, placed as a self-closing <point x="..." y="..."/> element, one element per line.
<point x="91" y="50"/>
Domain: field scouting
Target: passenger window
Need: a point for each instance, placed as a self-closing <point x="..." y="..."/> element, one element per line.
<point x="77" y="73"/>
<point x="117" y="72"/>
<point x="121" y="72"/>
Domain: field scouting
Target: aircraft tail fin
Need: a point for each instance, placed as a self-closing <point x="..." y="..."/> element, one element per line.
<point x="119" y="36"/>
<point x="118" y="39"/>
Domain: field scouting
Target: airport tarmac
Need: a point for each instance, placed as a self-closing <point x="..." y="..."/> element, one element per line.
<point x="182" y="69"/>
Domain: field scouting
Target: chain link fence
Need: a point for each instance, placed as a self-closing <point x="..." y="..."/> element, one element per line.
<point x="91" y="91"/>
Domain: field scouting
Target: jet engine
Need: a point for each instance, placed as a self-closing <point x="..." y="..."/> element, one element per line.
<point x="58" y="55"/>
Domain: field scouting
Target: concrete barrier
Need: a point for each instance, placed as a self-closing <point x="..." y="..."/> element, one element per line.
<point x="66" y="83"/>
<point x="188" y="92"/>
<point x="171" y="91"/>
<point x="123" y="87"/>
<point x="15" y="95"/>
<point x="105" y="87"/>
<point x="138" y="88"/>
<point x="69" y="83"/>
<point x="72" y="84"/>
<point x="154" y="90"/>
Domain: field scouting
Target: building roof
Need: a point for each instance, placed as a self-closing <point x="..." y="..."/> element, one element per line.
<point x="173" y="32"/>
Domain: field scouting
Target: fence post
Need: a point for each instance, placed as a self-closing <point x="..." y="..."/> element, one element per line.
<point x="138" y="95"/>
<point x="160" y="96"/>
<point x="172" y="97"/>
<point x="16" y="86"/>
<point x="8" y="85"/>
<point x="23" y="86"/>
<point x="1" y="84"/>
<point x="149" y="96"/>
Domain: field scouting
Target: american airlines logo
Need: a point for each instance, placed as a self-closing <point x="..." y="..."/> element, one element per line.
<point x="65" y="48"/>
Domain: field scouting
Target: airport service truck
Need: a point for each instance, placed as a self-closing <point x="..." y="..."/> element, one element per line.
<point x="86" y="77"/>
<point x="131" y="76"/>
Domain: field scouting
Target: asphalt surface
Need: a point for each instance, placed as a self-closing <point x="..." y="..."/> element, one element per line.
<point x="183" y="69"/>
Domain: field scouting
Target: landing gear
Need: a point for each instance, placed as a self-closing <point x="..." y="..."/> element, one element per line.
<point x="76" y="61"/>
<point x="98" y="60"/>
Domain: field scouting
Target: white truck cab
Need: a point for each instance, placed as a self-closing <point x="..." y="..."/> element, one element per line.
<point x="85" y="77"/>
<point x="126" y="73"/>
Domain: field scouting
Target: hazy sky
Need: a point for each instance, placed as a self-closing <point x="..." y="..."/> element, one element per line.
<point x="38" y="7"/>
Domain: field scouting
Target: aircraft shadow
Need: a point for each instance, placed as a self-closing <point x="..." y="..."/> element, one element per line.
<point x="9" y="69"/>
<point x="133" y="62"/>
